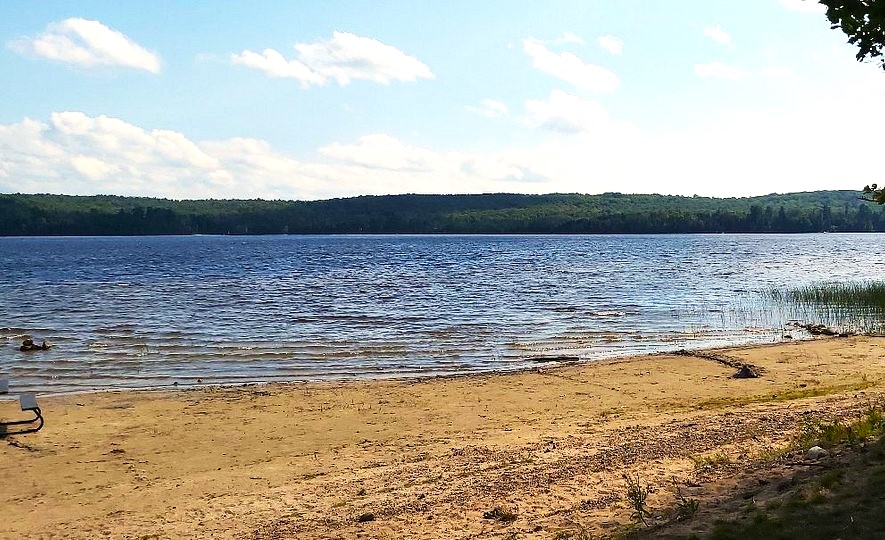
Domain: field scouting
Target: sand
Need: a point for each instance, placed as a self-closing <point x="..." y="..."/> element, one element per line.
<point x="425" y="458"/>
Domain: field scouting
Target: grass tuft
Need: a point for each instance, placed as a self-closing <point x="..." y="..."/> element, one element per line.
<point x="836" y="433"/>
<point x="637" y="494"/>
<point x="686" y="507"/>
<point x="717" y="459"/>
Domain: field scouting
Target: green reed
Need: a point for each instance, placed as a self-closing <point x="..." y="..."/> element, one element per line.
<point x="855" y="306"/>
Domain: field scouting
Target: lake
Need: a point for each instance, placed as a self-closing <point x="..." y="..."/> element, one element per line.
<point x="127" y="312"/>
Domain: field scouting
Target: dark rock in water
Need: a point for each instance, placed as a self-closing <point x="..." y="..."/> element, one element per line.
<point x="745" y="372"/>
<point x="29" y="345"/>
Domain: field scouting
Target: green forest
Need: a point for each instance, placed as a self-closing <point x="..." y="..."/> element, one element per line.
<point x="820" y="211"/>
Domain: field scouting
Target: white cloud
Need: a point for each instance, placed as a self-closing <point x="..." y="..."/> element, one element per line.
<point x="275" y="64"/>
<point x="384" y="152"/>
<point x="566" y="113"/>
<point x="93" y="168"/>
<point x="344" y="58"/>
<point x="611" y="44"/>
<point x="805" y="6"/>
<point x="79" y="154"/>
<point x="469" y="171"/>
<point x="717" y="34"/>
<point x="490" y="108"/>
<point x="718" y="70"/>
<point x="105" y="136"/>
<point x="89" y="44"/>
<point x="569" y="37"/>
<point x="570" y="68"/>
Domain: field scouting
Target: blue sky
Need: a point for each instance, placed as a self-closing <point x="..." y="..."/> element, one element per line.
<point x="325" y="99"/>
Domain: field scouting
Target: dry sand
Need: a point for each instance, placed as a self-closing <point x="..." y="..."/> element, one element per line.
<point x="426" y="458"/>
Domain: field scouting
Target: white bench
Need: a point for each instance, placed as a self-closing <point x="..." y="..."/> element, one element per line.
<point x="28" y="403"/>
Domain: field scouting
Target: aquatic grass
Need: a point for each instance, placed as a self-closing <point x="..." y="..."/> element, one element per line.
<point x="854" y="306"/>
<point x="868" y="294"/>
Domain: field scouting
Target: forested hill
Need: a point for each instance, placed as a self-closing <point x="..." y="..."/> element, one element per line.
<point x="491" y="213"/>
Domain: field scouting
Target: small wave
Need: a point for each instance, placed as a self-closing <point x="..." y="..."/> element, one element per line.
<point x="609" y="313"/>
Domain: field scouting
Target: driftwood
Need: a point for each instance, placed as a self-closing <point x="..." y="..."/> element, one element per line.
<point x="560" y="358"/>
<point x="744" y="370"/>
<point x="822" y="330"/>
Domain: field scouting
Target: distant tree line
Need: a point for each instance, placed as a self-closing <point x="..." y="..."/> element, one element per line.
<point x="823" y="211"/>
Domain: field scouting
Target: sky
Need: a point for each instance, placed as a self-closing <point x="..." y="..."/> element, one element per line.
<point x="314" y="100"/>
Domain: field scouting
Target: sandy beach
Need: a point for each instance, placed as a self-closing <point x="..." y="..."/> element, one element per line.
<point x="428" y="458"/>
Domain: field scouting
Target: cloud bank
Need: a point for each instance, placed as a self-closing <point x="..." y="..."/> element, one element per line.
<point x="582" y="147"/>
<point x="75" y="153"/>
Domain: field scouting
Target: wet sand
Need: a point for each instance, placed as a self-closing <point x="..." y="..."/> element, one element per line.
<point x="425" y="458"/>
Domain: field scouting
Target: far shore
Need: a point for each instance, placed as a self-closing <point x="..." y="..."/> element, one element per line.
<point x="428" y="458"/>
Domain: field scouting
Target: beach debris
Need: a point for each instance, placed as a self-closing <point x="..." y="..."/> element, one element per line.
<point x="560" y="358"/>
<point x="819" y="330"/>
<point x="744" y="370"/>
<point x="499" y="514"/>
<point x="29" y="345"/>
<point x="816" y="452"/>
<point x="823" y="330"/>
<point x="364" y="518"/>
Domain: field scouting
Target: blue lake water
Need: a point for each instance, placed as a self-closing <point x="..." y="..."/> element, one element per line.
<point x="153" y="311"/>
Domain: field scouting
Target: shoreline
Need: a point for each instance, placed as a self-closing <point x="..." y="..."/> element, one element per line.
<point x="540" y="364"/>
<point x="434" y="234"/>
<point x="427" y="456"/>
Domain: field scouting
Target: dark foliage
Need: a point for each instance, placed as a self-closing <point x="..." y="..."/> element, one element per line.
<point x="493" y="213"/>
<point x="863" y="21"/>
<point x="877" y="194"/>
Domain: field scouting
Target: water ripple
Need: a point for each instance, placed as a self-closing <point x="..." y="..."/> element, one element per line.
<point x="158" y="311"/>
